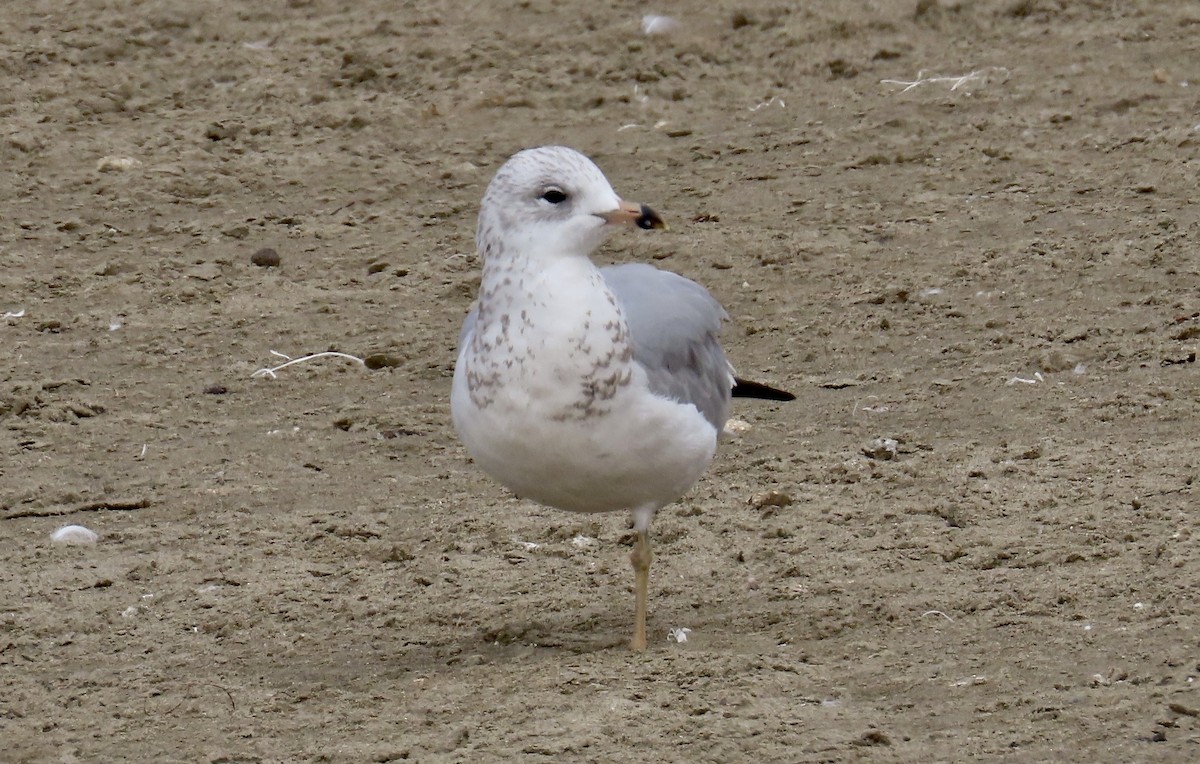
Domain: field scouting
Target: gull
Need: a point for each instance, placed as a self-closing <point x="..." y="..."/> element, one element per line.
<point x="583" y="388"/>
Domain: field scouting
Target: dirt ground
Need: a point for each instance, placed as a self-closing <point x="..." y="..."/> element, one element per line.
<point x="966" y="227"/>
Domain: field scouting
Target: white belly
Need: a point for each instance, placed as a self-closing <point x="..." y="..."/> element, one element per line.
<point x="645" y="451"/>
<point x="549" y="402"/>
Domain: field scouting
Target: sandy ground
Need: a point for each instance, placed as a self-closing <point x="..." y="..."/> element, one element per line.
<point x="997" y="272"/>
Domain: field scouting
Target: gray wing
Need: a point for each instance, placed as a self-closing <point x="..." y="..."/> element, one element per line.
<point x="674" y="323"/>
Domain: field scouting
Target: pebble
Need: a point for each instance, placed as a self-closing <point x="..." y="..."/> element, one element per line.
<point x="265" y="258"/>
<point x="884" y="449"/>
<point x="376" y="361"/>
<point x="740" y="19"/>
<point x="770" y="499"/>
<point x="205" y="272"/>
<point x="116" y="164"/>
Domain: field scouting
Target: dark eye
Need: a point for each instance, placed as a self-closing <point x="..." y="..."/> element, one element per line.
<point x="554" y="196"/>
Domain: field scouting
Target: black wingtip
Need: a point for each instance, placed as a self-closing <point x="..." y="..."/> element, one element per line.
<point x="744" y="388"/>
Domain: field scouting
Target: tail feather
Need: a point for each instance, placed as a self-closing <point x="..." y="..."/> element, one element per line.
<point x="744" y="388"/>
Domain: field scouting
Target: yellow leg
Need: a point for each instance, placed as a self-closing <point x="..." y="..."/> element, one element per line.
<point x="640" y="557"/>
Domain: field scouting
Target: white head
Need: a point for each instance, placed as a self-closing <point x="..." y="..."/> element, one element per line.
<point x="553" y="201"/>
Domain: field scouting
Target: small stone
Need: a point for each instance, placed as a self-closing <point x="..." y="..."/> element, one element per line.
<point x="1055" y="360"/>
<point x="1076" y="333"/>
<point x="884" y="449"/>
<point x="74" y="534"/>
<point x="873" y="738"/>
<point x="265" y="258"/>
<point x="391" y="433"/>
<point x="111" y="269"/>
<point x="839" y="384"/>
<point x="216" y="390"/>
<point x="377" y="361"/>
<point x="770" y="499"/>
<point x="840" y="68"/>
<point x="205" y="272"/>
<point x="740" y="19"/>
<point x="220" y="131"/>
<point x="1033" y="452"/>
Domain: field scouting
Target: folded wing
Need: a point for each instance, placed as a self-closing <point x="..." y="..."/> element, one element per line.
<point x="675" y="323"/>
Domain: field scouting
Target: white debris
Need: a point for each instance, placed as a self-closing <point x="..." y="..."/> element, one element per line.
<point x="1037" y="377"/>
<point x="116" y="164"/>
<point x="582" y="542"/>
<point x="679" y="635"/>
<point x="74" y="534"/>
<point x="659" y="25"/>
<point x="737" y="427"/>
<point x="955" y="81"/>
<point x="9" y="315"/>
<point x="775" y="100"/>
<point x="883" y="448"/>
<point x="326" y="354"/>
